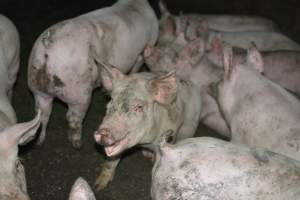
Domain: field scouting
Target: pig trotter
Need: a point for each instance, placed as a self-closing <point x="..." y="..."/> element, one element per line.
<point x="107" y="174"/>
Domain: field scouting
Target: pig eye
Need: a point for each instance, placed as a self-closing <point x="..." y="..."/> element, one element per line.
<point x="138" y="107"/>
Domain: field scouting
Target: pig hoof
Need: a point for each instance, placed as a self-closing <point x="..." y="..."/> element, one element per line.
<point x="101" y="183"/>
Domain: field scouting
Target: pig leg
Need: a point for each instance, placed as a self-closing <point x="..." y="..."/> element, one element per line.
<point x="12" y="76"/>
<point x="75" y="116"/>
<point x="44" y="103"/>
<point x="212" y="117"/>
<point x="137" y="65"/>
<point x="107" y="173"/>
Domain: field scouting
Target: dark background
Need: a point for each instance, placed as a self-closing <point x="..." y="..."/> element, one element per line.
<point x="52" y="168"/>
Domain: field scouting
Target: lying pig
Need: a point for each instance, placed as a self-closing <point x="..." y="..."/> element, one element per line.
<point x="81" y="191"/>
<point x="142" y="107"/>
<point x="259" y="112"/>
<point x="266" y="40"/>
<point x="208" y="168"/>
<point x="12" y="174"/>
<point x="281" y="67"/>
<point x="10" y="45"/>
<point x="62" y="62"/>
<point x="224" y="23"/>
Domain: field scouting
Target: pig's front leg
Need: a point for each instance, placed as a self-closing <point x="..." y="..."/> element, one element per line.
<point x="107" y="173"/>
<point x="137" y="65"/>
<point x="212" y="117"/>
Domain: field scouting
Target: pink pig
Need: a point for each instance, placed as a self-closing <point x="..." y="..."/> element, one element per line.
<point x="259" y="112"/>
<point x="63" y="60"/>
<point x="143" y="106"/>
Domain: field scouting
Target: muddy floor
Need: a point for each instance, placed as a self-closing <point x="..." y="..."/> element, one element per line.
<point x="52" y="168"/>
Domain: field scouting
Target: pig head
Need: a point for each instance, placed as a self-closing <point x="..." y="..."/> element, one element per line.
<point x="12" y="174"/>
<point x="140" y="104"/>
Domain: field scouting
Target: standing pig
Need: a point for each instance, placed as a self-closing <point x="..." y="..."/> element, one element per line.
<point x="81" y="191"/>
<point x="142" y="107"/>
<point x="259" y="112"/>
<point x="12" y="174"/>
<point x="62" y="62"/>
<point x="208" y="168"/>
<point x="10" y="44"/>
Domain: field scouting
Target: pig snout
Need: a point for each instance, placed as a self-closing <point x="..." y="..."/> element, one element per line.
<point x="104" y="137"/>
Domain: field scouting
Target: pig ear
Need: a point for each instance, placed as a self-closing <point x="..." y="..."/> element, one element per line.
<point x="228" y="62"/>
<point x="169" y="25"/>
<point x="81" y="191"/>
<point x="164" y="89"/>
<point x="21" y="133"/>
<point x="193" y="51"/>
<point x="148" y="51"/>
<point x="163" y="9"/>
<point x="255" y="59"/>
<point x="108" y="74"/>
<point x="217" y="45"/>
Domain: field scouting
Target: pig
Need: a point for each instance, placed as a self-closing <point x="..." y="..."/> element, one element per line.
<point x="209" y="168"/>
<point x="281" y="67"/>
<point x="10" y="45"/>
<point x="81" y="191"/>
<point x="63" y="63"/>
<point x="224" y="23"/>
<point x="188" y="59"/>
<point x="143" y="106"/>
<point x="259" y="112"/>
<point x="265" y="40"/>
<point x="12" y="174"/>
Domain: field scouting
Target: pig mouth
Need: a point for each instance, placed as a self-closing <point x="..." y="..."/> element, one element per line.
<point x="116" y="148"/>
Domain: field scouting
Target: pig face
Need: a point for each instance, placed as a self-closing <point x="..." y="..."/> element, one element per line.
<point x="140" y="104"/>
<point x="181" y="55"/>
<point x="12" y="175"/>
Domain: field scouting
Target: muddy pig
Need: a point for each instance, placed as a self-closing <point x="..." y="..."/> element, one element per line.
<point x="12" y="174"/>
<point x="62" y="62"/>
<point x="208" y="168"/>
<point x="81" y="191"/>
<point x="143" y="106"/>
<point x="10" y="45"/>
<point x="259" y="112"/>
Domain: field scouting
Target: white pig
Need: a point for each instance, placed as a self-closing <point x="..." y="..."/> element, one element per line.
<point x="208" y="168"/>
<point x="63" y="63"/>
<point x="281" y="67"/>
<point x="240" y="32"/>
<point x="143" y="106"/>
<point x="12" y="174"/>
<point x="10" y="44"/>
<point x="259" y="112"/>
<point x="81" y="191"/>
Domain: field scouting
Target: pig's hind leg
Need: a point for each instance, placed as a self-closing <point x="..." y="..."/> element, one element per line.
<point x="44" y="103"/>
<point x="75" y="115"/>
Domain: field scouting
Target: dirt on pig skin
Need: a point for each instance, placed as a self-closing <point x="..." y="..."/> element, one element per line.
<point x="52" y="168"/>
